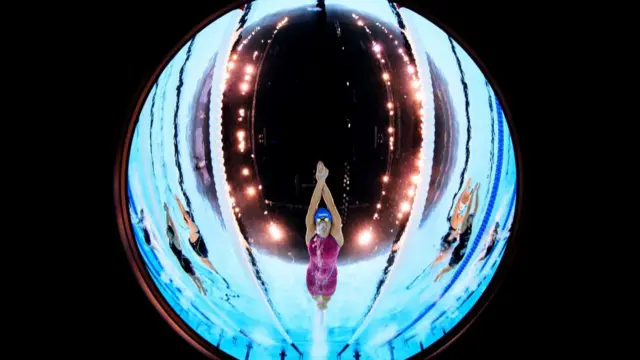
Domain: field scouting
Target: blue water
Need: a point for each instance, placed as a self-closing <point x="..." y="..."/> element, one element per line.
<point x="410" y="310"/>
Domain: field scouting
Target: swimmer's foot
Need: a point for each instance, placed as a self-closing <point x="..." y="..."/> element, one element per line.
<point x="438" y="277"/>
<point x="201" y="288"/>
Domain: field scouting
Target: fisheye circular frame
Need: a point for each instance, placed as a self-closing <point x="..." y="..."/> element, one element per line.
<point x="150" y="288"/>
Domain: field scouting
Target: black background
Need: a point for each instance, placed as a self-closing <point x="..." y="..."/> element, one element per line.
<point x="126" y="44"/>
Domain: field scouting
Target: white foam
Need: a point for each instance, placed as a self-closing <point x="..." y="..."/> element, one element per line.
<point x="319" y="347"/>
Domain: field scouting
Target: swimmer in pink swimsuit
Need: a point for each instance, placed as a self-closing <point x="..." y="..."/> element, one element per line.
<point x="324" y="240"/>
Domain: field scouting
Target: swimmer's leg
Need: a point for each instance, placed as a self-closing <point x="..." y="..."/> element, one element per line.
<point x="445" y="270"/>
<point x="482" y="257"/>
<point x="199" y="285"/>
<point x="208" y="264"/>
<point x="441" y="256"/>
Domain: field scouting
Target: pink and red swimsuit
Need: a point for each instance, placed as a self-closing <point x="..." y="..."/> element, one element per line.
<point x="322" y="272"/>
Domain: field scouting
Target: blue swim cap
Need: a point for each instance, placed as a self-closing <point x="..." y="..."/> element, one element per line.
<point x="322" y="213"/>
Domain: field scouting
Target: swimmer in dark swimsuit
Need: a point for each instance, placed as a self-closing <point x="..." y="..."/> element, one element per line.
<point x="145" y="231"/>
<point x="453" y="233"/>
<point x="195" y="239"/>
<point x="324" y="240"/>
<point x="490" y="244"/>
<point x="465" y="234"/>
<point x="176" y="249"/>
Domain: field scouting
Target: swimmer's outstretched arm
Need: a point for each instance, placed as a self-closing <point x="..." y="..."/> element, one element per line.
<point x="455" y="221"/>
<point x="313" y="206"/>
<point x="476" y="190"/>
<point x="192" y="225"/>
<point x="468" y="211"/>
<point x="169" y="219"/>
<point x="466" y="190"/>
<point x="336" y="227"/>
<point x="183" y="211"/>
<point x="173" y="226"/>
<point x="472" y="203"/>
<point x="485" y="247"/>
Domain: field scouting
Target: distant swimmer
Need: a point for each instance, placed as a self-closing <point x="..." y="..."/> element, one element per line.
<point x="142" y="223"/>
<point x="461" y="210"/>
<point x="195" y="239"/>
<point x="490" y="244"/>
<point x="455" y="220"/>
<point x="466" y="228"/>
<point x="324" y="240"/>
<point x="176" y="249"/>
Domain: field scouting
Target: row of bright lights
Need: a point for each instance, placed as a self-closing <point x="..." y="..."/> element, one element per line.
<point x="274" y="229"/>
<point x="249" y="71"/>
<point x="244" y="86"/>
<point x="377" y="49"/>
<point x="405" y="206"/>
